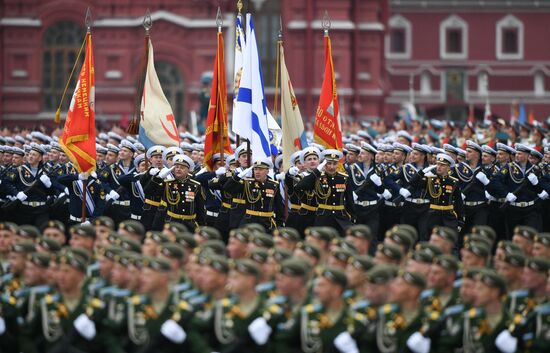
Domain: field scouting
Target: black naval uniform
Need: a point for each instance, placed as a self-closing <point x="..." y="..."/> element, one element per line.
<point x="184" y="202"/>
<point x="263" y="202"/>
<point x="334" y="194"/>
<point x="119" y="210"/>
<point x="222" y="221"/>
<point x="95" y="197"/>
<point x="445" y="200"/>
<point x="303" y="204"/>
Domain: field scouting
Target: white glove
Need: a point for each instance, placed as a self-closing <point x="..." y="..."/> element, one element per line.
<point x="85" y="327"/>
<point x="114" y="195"/>
<point x="428" y="169"/>
<point x="154" y="171"/>
<point x="173" y="332"/>
<point x="21" y="196"/>
<point x="82" y="176"/>
<point x="11" y="197"/>
<point x="345" y="343"/>
<point x="293" y="171"/>
<point x="203" y="170"/>
<point x="404" y="192"/>
<point x="62" y="194"/>
<point x="375" y="179"/>
<point x="429" y="175"/>
<point x="533" y="179"/>
<point x="489" y="196"/>
<point x="93" y="175"/>
<point x="386" y="194"/>
<point x="543" y="195"/>
<point x="66" y="191"/>
<point x="87" y="223"/>
<point x="511" y="197"/>
<point x="2" y="326"/>
<point x="260" y="331"/>
<point x="355" y="197"/>
<point x="321" y="166"/>
<point x="482" y="178"/>
<point x="463" y="196"/>
<point x="46" y="181"/>
<point x="506" y="342"/>
<point x="245" y="173"/>
<point x="280" y="176"/>
<point x="418" y="343"/>
<point x="221" y="171"/>
<point x="165" y="171"/>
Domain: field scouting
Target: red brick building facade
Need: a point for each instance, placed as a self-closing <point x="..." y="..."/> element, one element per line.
<point x="39" y="40"/>
<point x="466" y="52"/>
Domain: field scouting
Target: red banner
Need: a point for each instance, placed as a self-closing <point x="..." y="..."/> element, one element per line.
<point x="327" y="129"/>
<point x="216" y="134"/>
<point x="78" y="139"/>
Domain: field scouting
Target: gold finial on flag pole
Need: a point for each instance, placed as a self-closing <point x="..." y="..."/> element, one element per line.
<point x="239" y="5"/>
<point x="326" y="23"/>
<point x="219" y="19"/>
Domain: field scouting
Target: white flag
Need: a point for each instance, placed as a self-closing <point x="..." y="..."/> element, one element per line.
<point x="157" y="125"/>
<point x="250" y="112"/>
<point x="294" y="136"/>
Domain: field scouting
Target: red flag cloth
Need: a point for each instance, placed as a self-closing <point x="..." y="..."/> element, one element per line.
<point x="531" y="118"/>
<point x="327" y="129"/>
<point x="471" y="116"/>
<point x="78" y="138"/>
<point x="216" y="134"/>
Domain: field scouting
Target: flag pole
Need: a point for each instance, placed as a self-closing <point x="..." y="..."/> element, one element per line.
<point x="88" y="22"/>
<point x="279" y="45"/>
<point x="237" y="137"/>
<point x="133" y="127"/>
<point x="219" y="22"/>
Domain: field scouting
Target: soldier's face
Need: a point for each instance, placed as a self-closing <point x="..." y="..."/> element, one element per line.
<point x="483" y="294"/>
<point x="502" y="157"/>
<point x="525" y="244"/>
<point x="509" y="272"/>
<point x="467" y="291"/>
<point x="469" y="259"/>
<point x="105" y="267"/>
<point x="283" y="243"/>
<point x="151" y="280"/>
<point x="300" y="253"/>
<point x="156" y="161"/>
<point x="111" y="157"/>
<point x="487" y="159"/>
<point x="239" y="282"/>
<point x="34" y="157"/>
<point x="439" y="278"/>
<point x="149" y="247"/>
<point x="442" y="169"/>
<point x="521" y="157"/>
<point x="354" y="275"/>
<point x="180" y="171"/>
<point x="6" y="238"/>
<point x="119" y="276"/>
<point x="63" y="158"/>
<point x="331" y="167"/>
<point x="351" y="157"/>
<point x="260" y="173"/>
<point x="236" y="248"/>
<point x="311" y="161"/>
<point x="417" y="157"/>
<point x="17" y="160"/>
<point x="17" y="262"/>
<point x="243" y="160"/>
<point x="79" y="241"/>
<point x="532" y="279"/>
<point x="441" y="243"/>
<point x="539" y="249"/>
<point x="288" y="285"/>
<point x="68" y="277"/>
<point x="33" y="274"/>
<point x="213" y="279"/>
<point x="417" y="266"/>
<point x="400" y="290"/>
<point x="325" y="290"/>
<point x="55" y="234"/>
<point x="377" y="294"/>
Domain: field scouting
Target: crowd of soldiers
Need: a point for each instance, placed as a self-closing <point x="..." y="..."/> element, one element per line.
<point x="399" y="243"/>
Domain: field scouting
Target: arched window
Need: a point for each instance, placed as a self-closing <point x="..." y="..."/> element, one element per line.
<point x="61" y="43"/>
<point x="453" y="38"/>
<point x="172" y="86"/>
<point x="266" y="26"/>
<point x="399" y="40"/>
<point x="509" y="36"/>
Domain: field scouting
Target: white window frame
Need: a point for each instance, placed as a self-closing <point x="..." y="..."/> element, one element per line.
<point x="509" y="21"/>
<point x="399" y="22"/>
<point x="538" y="82"/>
<point x="451" y="22"/>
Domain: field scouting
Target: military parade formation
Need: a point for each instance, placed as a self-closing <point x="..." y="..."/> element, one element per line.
<point x="393" y="245"/>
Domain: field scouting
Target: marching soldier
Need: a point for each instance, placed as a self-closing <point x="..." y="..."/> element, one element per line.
<point x="443" y="192"/>
<point x="131" y="182"/>
<point x="333" y="191"/>
<point x="95" y="196"/>
<point x="183" y="197"/>
<point x="263" y="202"/>
<point x="152" y="187"/>
<point x="216" y="186"/>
